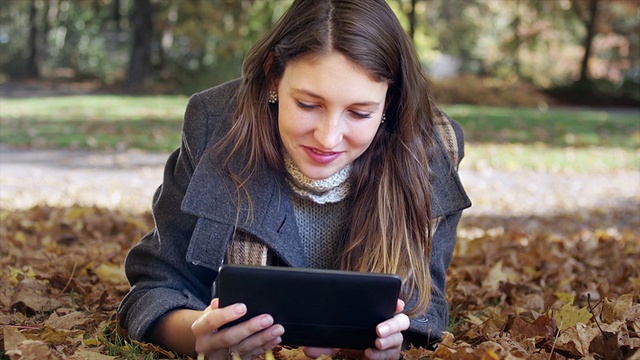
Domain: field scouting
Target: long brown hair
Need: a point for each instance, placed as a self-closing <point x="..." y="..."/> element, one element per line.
<point x="390" y="213"/>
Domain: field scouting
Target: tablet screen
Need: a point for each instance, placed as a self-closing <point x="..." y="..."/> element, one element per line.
<point x="323" y="308"/>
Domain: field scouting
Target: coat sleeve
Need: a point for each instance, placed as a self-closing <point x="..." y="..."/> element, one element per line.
<point x="426" y="330"/>
<point x="160" y="277"/>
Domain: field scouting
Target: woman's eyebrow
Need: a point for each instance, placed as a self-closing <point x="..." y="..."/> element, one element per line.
<point x="318" y="97"/>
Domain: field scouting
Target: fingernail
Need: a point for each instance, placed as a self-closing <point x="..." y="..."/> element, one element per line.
<point x="240" y="309"/>
<point x="277" y="331"/>
<point x="266" y="320"/>
<point x="383" y="330"/>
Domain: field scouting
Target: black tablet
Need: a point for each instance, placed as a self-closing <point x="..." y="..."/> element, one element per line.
<point x="323" y="308"/>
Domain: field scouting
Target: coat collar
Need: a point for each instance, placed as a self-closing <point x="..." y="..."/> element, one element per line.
<point x="210" y="195"/>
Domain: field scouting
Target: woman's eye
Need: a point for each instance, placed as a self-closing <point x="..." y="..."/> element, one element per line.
<point x="305" y="106"/>
<point x="361" y="115"/>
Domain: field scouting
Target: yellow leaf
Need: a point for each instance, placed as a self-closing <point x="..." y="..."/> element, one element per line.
<point x="91" y="342"/>
<point x="13" y="275"/>
<point x="474" y="319"/>
<point x="90" y="355"/>
<point x="20" y="237"/>
<point x="568" y="316"/>
<point x="111" y="274"/>
<point x="269" y="355"/>
<point x="490" y="355"/>
<point x="495" y="276"/>
<point x="565" y="297"/>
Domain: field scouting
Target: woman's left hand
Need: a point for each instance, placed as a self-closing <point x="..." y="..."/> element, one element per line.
<point x="388" y="343"/>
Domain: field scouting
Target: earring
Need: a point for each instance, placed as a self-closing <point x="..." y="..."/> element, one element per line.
<point x="384" y="117"/>
<point x="273" y="97"/>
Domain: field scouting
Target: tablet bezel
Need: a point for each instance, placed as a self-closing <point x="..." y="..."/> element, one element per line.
<point x="322" y="308"/>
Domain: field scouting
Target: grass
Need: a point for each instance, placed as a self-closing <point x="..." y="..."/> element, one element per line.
<point x="560" y="127"/>
<point x="499" y="137"/>
<point x="99" y="122"/>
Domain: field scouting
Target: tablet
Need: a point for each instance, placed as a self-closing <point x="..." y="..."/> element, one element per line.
<point x="322" y="308"/>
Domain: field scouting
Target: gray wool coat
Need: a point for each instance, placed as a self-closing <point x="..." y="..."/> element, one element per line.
<point x="175" y="265"/>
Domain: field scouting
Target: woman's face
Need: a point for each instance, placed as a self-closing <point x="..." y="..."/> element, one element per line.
<point x="329" y="111"/>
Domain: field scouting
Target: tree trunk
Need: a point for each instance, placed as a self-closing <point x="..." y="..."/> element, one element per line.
<point x="140" y="61"/>
<point x="116" y="14"/>
<point x="33" y="70"/>
<point x="515" y="48"/>
<point x="412" y="19"/>
<point x="588" y="41"/>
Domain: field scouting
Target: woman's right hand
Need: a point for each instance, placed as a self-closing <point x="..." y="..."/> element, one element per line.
<point x="247" y="339"/>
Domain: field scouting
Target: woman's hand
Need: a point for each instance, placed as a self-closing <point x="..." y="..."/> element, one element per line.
<point x="388" y="343"/>
<point x="247" y="339"/>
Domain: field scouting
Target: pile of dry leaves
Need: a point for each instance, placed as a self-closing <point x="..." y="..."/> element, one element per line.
<point x="568" y="289"/>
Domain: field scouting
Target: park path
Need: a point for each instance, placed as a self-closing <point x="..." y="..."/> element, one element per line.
<point x="128" y="180"/>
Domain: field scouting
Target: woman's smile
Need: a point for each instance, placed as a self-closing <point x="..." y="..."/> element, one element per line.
<point x="329" y="111"/>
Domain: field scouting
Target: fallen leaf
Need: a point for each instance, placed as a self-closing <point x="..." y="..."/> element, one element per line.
<point x="541" y="329"/>
<point x="567" y="317"/>
<point x="606" y="345"/>
<point x="12" y="337"/>
<point x="66" y="322"/>
<point x="577" y="339"/>
<point x="33" y="350"/>
<point x="111" y="274"/>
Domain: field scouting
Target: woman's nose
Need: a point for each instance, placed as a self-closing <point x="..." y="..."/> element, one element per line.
<point x="329" y="131"/>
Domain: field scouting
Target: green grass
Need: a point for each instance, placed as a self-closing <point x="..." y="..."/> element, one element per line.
<point x="100" y="122"/>
<point x="562" y="128"/>
<point x="541" y="157"/>
<point x="511" y="138"/>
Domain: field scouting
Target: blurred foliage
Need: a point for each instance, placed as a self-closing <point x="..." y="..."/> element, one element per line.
<point x="200" y="43"/>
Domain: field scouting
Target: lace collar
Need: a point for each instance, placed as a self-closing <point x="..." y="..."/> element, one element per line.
<point x="330" y="190"/>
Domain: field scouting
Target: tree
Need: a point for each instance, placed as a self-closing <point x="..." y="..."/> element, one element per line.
<point x="590" y="23"/>
<point x="33" y="68"/>
<point x="140" y="61"/>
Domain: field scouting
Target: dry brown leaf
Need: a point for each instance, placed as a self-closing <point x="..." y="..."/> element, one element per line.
<point x="66" y="322"/>
<point x="541" y="329"/>
<point x="12" y="337"/>
<point x="33" y="350"/>
<point x="83" y="354"/>
<point x="606" y="345"/>
<point x="622" y="308"/>
<point x="577" y="339"/>
<point x="34" y="296"/>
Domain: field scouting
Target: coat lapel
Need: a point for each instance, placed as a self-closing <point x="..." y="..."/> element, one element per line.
<point x="211" y="196"/>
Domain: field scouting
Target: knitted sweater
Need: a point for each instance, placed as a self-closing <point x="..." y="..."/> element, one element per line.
<point x="320" y="211"/>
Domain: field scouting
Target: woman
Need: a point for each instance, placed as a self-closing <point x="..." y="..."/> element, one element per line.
<point x="328" y="153"/>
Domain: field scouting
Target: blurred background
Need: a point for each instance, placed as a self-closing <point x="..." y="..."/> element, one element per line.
<point x="492" y="52"/>
<point x="92" y="97"/>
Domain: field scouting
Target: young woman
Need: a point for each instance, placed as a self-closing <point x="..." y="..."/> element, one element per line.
<point x="328" y="153"/>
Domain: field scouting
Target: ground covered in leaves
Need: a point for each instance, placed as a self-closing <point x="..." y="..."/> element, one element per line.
<point x="565" y="285"/>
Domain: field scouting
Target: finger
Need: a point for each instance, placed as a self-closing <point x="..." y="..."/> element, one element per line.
<point x="212" y="320"/>
<point x="215" y="303"/>
<point x="382" y="354"/>
<point x="392" y="341"/>
<point x="398" y="323"/>
<point x="250" y="335"/>
<point x="315" y="352"/>
<point x="258" y="343"/>
<point x="399" y="306"/>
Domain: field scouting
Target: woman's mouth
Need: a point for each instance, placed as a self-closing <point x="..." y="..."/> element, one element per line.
<point x="321" y="157"/>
